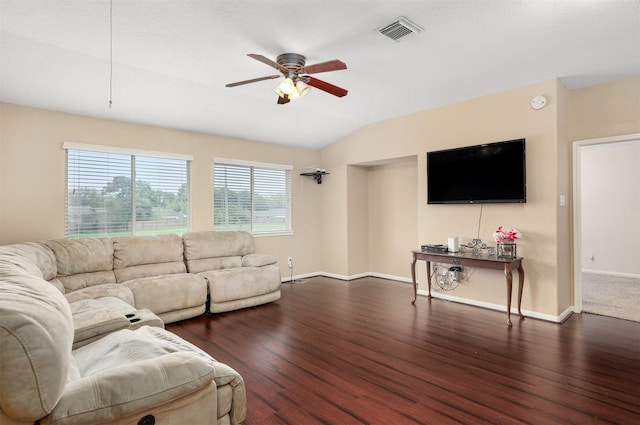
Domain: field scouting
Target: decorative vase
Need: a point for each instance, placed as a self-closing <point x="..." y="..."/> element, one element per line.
<point x="507" y="249"/>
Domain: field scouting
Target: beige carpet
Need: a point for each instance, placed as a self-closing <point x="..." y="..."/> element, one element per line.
<point x="611" y="296"/>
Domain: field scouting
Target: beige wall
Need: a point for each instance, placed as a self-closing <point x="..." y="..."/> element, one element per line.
<point x="393" y="215"/>
<point x="493" y="118"/>
<point x="381" y="217"/>
<point x="32" y="176"/>
<point x="564" y="219"/>
<point x="602" y="111"/>
<point x="605" y="110"/>
<point x="371" y="210"/>
<point x="357" y="221"/>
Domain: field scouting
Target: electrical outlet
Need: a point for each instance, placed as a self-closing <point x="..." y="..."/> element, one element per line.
<point x="290" y="262"/>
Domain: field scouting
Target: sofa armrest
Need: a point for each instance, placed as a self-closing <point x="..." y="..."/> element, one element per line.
<point x="135" y="388"/>
<point x="91" y="320"/>
<point x="225" y="375"/>
<point x="258" y="260"/>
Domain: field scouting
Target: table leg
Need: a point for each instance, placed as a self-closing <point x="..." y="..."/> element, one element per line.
<point x="509" y="276"/>
<point x="413" y="279"/>
<point x="520" y="288"/>
<point x="429" y="276"/>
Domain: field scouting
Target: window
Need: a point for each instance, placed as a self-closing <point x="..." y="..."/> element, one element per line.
<point x="253" y="197"/>
<point x="102" y="199"/>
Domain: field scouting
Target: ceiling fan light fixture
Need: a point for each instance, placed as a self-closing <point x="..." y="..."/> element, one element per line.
<point x="302" y="88"/>
<point x="287" y="86"/>
<point x="294" y="95"/>
<point x="295" y="84"/>
<point x="277" y="90"/>
<point x="299" y="89"/>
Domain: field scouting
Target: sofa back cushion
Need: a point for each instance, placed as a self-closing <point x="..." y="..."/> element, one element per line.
<point x="83" y="262"/>
<point x="216" y="250"/>
<point x="36" y="334"/>
<point x="206" y="264"/>
<point x="136" y="257"/>
<point x="38" y="254"/>
<point x="42" y="261"/>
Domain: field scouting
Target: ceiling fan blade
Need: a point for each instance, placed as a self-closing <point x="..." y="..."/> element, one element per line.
<point x="324" y="86"/>
<point x="334" y="65"/>
<point x="269" y="62"/>
<point x="283" y="99"/>
<point x="253" y="80"/>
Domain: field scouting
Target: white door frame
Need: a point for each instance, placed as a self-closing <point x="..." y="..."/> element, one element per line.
<point x="577" y="209"/>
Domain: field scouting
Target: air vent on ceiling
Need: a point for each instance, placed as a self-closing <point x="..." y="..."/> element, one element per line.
<point x="399" y="28"/>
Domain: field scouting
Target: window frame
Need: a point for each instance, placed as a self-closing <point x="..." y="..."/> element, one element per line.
<point x="132" y="153"/>
<point x="252" y="165"/>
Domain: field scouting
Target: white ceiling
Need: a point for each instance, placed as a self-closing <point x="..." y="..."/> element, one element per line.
<point x="171" y="58"/>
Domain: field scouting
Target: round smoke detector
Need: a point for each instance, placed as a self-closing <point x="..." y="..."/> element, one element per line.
<point x="538" y="102"/>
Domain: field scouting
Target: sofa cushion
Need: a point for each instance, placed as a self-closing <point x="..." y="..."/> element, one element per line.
<point x="92" y="319"/>
<point x="149" y="270"/>
<point x="246" y="282"/>
<point x="36" y="333"/>
<point x="95" y="318"/>
<point x="83" y="262"/>
<point x="38" y="261"/>
<point x="156" y="370"/>
<point x="133" y="348"/>
<point x="212" y="244"/>
<point x="214" y="250"/>
<point x="130" y="346"/>
<point x="116" y="304"/>
<point x="86" y="280"/>
<point x="258" y="260"/>
<point x="38" y="254"/>
<point x="143" y="256"/>
<point x="57" y="283"/>
<point x="162" y="294"/>
<point x="99" y="291"/>
<point x="216" y="263"/>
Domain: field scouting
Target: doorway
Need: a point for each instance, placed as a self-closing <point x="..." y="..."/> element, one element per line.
<point x="606" y="226"/>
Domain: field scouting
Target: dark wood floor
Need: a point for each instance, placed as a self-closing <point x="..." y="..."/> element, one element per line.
<point x="335" y="352"/>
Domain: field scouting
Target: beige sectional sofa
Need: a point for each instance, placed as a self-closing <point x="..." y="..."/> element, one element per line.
<point x="82" y="327"/>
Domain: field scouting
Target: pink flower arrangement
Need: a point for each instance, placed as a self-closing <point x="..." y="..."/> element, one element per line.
<point x="501" y="235"/>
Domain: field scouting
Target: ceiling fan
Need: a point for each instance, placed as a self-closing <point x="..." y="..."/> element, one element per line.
<point x="296" y="82"/>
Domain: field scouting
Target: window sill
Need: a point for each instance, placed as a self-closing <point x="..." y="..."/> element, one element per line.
<point x="267" y="234"/>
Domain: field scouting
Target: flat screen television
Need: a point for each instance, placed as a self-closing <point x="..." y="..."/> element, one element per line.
<point x="487" y="173"/>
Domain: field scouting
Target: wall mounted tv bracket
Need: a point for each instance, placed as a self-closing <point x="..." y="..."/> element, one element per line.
<point x="317" y="174"/>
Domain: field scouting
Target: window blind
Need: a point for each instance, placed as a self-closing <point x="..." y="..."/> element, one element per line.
<point x="253" y="198"/>
<point x="111" y="194"/>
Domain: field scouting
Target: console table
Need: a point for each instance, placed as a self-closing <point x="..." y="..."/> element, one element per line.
<point x="472" y="260"/>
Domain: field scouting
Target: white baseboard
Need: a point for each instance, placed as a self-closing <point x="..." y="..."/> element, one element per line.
<point x="286" y="279"/>
<point x="345" y="278"/>
<point x="499" y="307"/>
<point x="565" y="314"/>
<point x="615" y="274"/>
<point x="391" y="277"/>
